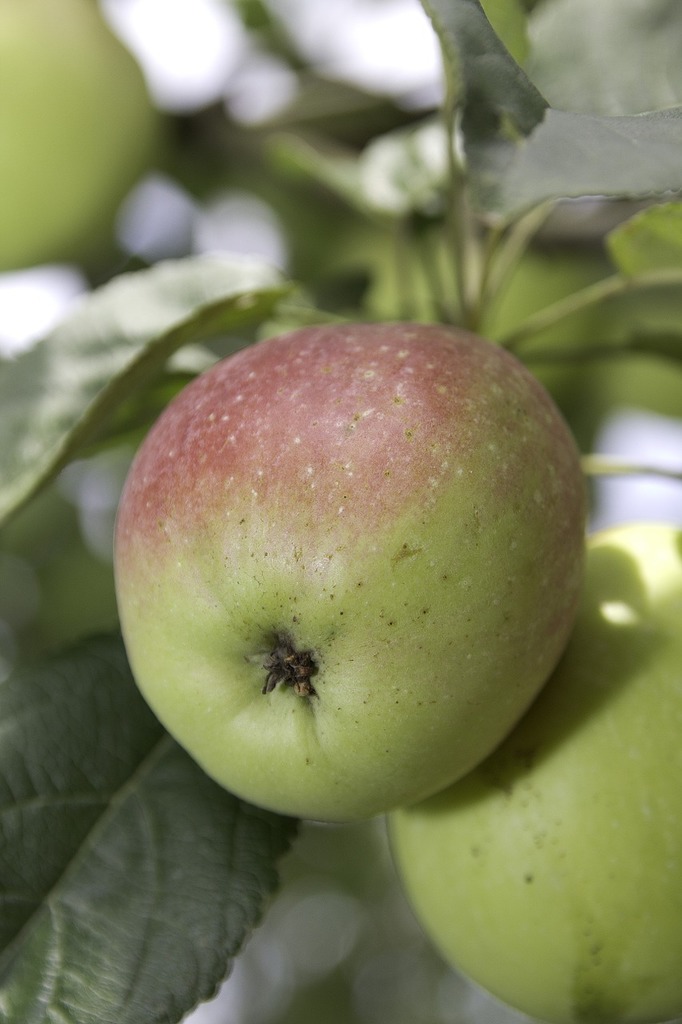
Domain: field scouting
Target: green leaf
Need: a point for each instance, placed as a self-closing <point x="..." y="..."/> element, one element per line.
<point x="132" y="417"/>
<point x="495" y="96"/>
<point x="128" y="879"/>
<point x="571" y="155"/>
<point x="60" y="394"/>
<point x="651" y="240"/>
<point x="509" y="23"/>
<point x="519" y="152"/>
<point x="608" y="57"/>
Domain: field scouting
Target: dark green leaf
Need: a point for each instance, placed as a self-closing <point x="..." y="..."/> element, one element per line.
<point x="521" y="153"/>
<point x="58" y="395"/>
<point x="486" y="84"/>
<point x="128" y="879"/>
<point x="570" y="155"/>
<point x="651" y="240"/>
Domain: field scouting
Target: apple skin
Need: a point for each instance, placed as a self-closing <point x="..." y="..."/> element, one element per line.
<point x="401" y="501"/>
<point x="552" y="874"/>
<point x="77" y="128"/>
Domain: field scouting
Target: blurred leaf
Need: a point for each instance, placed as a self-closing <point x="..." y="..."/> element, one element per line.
<point x="508" y="19"/>
<point x="495" y="96"/>
<point x="294" y="313"/>
<point x="404" y="172"/>
<point x="570" y="155"/>
<point x="60" y="394"/>
<point x="128" y="879"/>
<point x="131" y="419"/>
<point x="330" y="109"/>
<point x="651" y="240"/>
<point x="608" y="57"/>
<point x="334" y="169"/>
<point x="397" y="174"/>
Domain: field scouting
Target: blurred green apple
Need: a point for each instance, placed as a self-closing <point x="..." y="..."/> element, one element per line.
<point x="552" y="874"/>
<point x="347" y="558"/>
<point x="77" y="128"/>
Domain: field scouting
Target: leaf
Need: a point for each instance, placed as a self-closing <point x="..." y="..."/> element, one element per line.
<point x="60" y="394"/>
<point x="496" y="97"/>
<point x="396" y="174"/>
<point x="404" y="171"/>
<point x="651" y="240"/>
<point x="128" y="879"/>
<point x="519" y="152"/>
<point x="508" y="20"/>
<point x="132" y="417"/>
<point x="332" y="109"/>
<point x="571" y="155"/>
<point x="610" y="57"/>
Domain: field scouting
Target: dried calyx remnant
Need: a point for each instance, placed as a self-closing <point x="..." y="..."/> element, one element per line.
<point x="290" y="667"/>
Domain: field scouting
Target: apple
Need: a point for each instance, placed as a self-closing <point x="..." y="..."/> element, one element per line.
<point x="77" y="129"/>
<point x="347" y="558"/>
<point x="552" y="874"/>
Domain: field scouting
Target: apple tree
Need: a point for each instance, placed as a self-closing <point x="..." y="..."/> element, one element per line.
<point x="532" y="200"/>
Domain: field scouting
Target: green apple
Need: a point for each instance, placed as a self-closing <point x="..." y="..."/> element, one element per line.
<point x="347" y="558"/>
<point x="552" y="874"/>
<point x="77" y="127"/>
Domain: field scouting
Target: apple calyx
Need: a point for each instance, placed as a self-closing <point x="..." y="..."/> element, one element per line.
<point x="290" y="667"/>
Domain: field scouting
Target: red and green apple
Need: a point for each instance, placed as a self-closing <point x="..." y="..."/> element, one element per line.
<point x="347" y="559"/>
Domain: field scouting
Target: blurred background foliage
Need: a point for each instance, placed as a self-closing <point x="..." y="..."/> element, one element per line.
<point x="140" y="130"/>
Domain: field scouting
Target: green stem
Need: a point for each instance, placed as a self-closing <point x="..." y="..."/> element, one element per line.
<point x="404" y="283"/>
<point x="592" y="295"/>
<point x="430" y="256"/>
<point x="461" y="230"/>
<point x="606" y="465"/>
<point x="455" y="218"/>
<point x="505" y="250"/>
